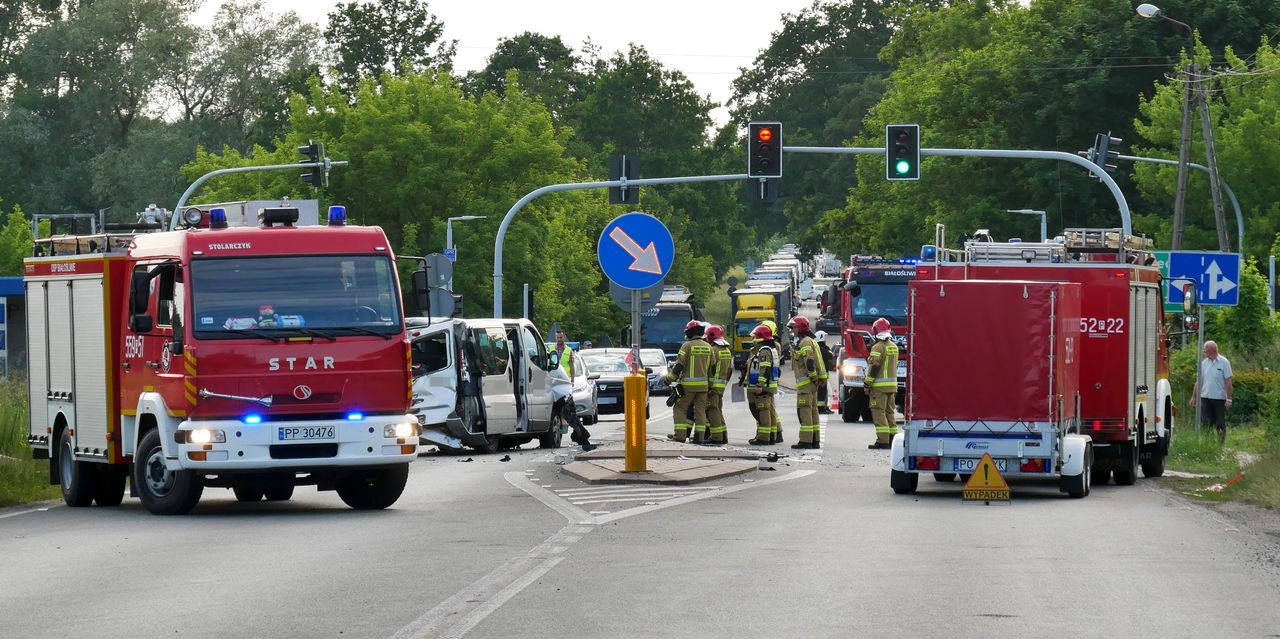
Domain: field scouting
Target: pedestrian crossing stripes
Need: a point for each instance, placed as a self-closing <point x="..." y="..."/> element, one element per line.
<point x="625" y="494"/>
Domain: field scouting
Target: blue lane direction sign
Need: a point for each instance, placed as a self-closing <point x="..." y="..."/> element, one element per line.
<point x="451" y="254"/>
<point x="635" y="250"/>
<point x="1217" y="276"/>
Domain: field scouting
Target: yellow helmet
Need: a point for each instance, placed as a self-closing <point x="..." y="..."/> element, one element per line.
<point x="773" y="326"/>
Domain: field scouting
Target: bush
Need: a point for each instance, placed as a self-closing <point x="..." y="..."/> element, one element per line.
<point x="22" y="479"/>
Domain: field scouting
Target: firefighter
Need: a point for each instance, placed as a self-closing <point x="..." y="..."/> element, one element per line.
<point x="763" y="380"/>
<point x="829" y="364"/>
<point x="721" y="373"/>
<point x="882" y="383"/>
<point x="810" y="373"/>
<point x="690" y="371"/>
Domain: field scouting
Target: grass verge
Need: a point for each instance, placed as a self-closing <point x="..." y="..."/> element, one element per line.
<point x="22" y="479"/>
<point x="717" y="309"/>
<point x="1247" y="449"/>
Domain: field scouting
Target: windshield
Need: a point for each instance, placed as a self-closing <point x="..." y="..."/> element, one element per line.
<point x="236" y="298"/>
<point x="606" y="363"/>
<point x="653" y="357"/>
<point x="743" y="329"/>
<point x="666" y="325"/>
<point x="881" y="300"/>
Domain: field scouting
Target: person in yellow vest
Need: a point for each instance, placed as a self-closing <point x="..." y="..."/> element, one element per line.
<point x="882" y="382"/>
<point x="763" y="384"/>
<point x="810" y="373"/>
<point x="690" y="371"/>
<point x="721" y="373"/>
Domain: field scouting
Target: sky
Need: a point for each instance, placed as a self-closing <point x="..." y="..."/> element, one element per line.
<point x="708" y="40"/>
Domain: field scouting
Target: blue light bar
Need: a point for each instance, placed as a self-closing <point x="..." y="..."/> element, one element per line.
<point x="355" y="416"/>
<point x="218" y="218"/>
<point x="253" y="418"/>
<point x="337" y="215"/>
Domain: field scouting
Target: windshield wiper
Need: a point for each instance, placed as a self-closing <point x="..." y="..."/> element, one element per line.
<point x="313" y="332"/>
<point x="252" y="332"/>
<point x="365" y="331"/>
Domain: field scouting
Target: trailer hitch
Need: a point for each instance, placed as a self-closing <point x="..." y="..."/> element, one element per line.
<point x="265" y="401"/>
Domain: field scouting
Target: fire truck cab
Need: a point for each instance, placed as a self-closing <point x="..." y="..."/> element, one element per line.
<point x="250" y="358"/>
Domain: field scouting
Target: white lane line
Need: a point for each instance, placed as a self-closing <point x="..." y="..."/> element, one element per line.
<point x="489" y="607"/>
<point x="640" y="510"/>
<point x="570" y="512"/>
<point x="627" y="489"/>
<point x="624" y="493"/>
<point x="28" y="511"/>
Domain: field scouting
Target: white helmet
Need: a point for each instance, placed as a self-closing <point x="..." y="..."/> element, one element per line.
<point x="821" y="336"/>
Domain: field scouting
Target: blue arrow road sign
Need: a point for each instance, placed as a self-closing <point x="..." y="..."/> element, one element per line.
<point x="1217" y="276"/>
<point x="635" y="250"/>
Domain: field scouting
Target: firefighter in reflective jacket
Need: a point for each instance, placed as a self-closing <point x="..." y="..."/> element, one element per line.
<point x="690" y="371"/>
<point x="882" y="382"/>
<point x="762" y="381"/>
<point x="810" y="373"/>
<point x="721" y="373"/>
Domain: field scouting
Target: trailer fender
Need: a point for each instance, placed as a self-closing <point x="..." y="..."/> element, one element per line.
<point x="1075" y="449"/>
<point x="898" y="454"/>
<point x="153" y="404"/>
<point x="1164" y="391"/>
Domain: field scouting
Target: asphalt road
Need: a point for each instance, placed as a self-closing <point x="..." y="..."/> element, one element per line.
<point x="820" y="547"/>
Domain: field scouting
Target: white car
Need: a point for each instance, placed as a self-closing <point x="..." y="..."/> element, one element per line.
<point x="585" y="394"/>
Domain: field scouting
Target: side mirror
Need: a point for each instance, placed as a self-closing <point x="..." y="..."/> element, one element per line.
<point x="853" y="288"/>
<point x="1190" y="299"/>
<point x="139" y="293"/>
<point x="420" y="291"/>
<point x="141" y="323"/>
<point x="593" y="376"/>
<point x="175" y="345"/>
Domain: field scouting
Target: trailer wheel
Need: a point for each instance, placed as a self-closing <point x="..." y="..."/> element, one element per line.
<point x="109" y="490"/>
<point x="279" y="493"/>
<point x="162" y="491"/>
<point x="903" y="483"/>
<point x="944" y="477"/>
<point x="375" y="488"/>
<point x="75" y="477"/>
<point x="1078" y="486"/>
<point x="1126" y="472"/>
<point x="247" y="493"/>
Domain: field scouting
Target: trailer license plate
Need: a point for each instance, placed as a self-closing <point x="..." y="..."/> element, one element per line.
<point x="967" y="465"/>
<point x="296" y="433"/>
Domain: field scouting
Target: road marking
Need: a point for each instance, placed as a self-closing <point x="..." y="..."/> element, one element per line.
<point x="626" y="489"/>
<point x="28" y="511"/>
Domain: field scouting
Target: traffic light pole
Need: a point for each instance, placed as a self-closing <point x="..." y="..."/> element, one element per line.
<point x="182" y="201"/>
<point x="1226" y="188"/>
<point x="1125" y="224"/>
<point x="580" y="186"/>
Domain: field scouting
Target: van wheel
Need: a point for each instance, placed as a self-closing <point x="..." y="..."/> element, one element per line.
<point x="162" y="491"/>
<point x="75" y="477"/>
<point x="1126" y="473"/>
<point x="492" y="444"/>
<point x="279" y="493"/>
<point x="247" y="493"/>
<point x="903" y="483"/>
<point x="553" y="436"/>
<point x="109" y="490"/>
<point x="375" y="488"/>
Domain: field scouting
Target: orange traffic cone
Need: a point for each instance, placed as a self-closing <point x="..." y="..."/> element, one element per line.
<point x="835" y="402"/>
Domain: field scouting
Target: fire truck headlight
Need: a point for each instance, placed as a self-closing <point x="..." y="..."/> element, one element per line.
<point x="851" y="369"/>
<point x="206" y="436"/>
<point x="401" y="430"/>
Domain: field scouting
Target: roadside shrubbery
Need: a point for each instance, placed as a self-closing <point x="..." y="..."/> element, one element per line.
<point x="22" y="479"/>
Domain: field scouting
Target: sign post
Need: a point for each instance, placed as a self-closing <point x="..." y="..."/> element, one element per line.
<point x="1217" y="278"/>
<point x="636" y="252"/>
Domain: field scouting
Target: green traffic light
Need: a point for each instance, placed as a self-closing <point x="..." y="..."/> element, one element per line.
<point x="903" y="167"/>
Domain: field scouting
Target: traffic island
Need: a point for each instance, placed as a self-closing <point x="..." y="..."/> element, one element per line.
<point x="669" y="463"/>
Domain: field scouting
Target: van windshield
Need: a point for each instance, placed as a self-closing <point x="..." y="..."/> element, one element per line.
<point x="238" y="298"/>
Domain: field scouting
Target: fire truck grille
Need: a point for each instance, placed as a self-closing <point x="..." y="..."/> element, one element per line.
<point x="318" y="398"/>
<point x="304" y="451"/>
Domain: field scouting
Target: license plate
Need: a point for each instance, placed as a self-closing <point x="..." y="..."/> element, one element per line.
<point x="967" y="465"/>
<point x="606" y="400"/>
<point x="296" y="433"/>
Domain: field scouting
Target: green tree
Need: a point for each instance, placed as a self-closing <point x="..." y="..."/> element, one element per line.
<point x="378" y="36"/>
<point x="15" y="242"/>
<point x="546" y="69"/>
<point x="1247" y="325"/>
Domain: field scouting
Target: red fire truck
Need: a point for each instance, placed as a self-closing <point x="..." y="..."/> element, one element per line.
<point x="870" y="288"/>
<point x="256" y="359"/>
<point x="1126" y="403"/>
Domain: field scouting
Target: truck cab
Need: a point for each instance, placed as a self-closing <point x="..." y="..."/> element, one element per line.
<point x="871" y="288"/>
<point x="663" y="325"/>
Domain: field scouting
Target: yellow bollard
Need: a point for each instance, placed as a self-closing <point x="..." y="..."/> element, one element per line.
<point x="634" y="389"/>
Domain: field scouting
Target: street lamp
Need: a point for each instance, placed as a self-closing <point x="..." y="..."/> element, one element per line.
<point x="448" y="235"/>
<point x="1044" y="230"/>
<point x="1148" y="10"/>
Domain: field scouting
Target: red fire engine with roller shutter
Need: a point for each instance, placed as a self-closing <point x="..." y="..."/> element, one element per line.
<point x="251" y="358"/>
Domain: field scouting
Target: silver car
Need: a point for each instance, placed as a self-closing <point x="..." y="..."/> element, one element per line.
<point x="584" y="392"/>
<point x="656" y="361"/>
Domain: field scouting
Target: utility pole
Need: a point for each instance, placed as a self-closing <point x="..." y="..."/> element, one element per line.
<point x="1184" y="146"/>
<point x="1211" y="159"/>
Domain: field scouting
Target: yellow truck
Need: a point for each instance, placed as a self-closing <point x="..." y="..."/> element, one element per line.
<point x="752" y="305"/>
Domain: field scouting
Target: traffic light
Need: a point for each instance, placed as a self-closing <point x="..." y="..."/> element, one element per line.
<point x="902" y="152"/>
<point x="1105" y="152"/>
<point x="313" y="153"/>
<point x="764" y="149"/>
<point x="620" y="166"/>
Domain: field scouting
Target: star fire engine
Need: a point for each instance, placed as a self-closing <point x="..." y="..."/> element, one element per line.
<point x="251" y="358"/>
<point x="1067" y="381"/>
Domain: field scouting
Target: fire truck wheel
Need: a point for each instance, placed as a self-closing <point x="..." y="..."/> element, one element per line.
<point x="279" y="493"/>
<point x="109" y="491"/>
<point x="75" y="477"/>
<point x="856" y="406"/>
<point x="247" y="493"/>
<point x="1101" y="475"/>
<point x="903" y="483"/>
<point x="375" y="488"/>
<point x="162" y="491"/>
<point x="1154" y="466"/>
<point x="944" y="477"/>
<point x="1126" y="472"/>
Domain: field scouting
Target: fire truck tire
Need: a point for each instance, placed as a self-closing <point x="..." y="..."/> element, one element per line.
<point x="1101" y="475"/>
<point x="944" y="477"/>
<point x="1126" y="470"/>
<point x="247" y="493"/>
<point x="375" y="488"/>
<point x="163" y="492"/>
<point x="1154" y="465"/>
<point x="109" y="490"/>
<point x="279" y="493"/>
<point x="903" y="483"/>
<point x="857" y="408"/>
<point x="75" y="477"/>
